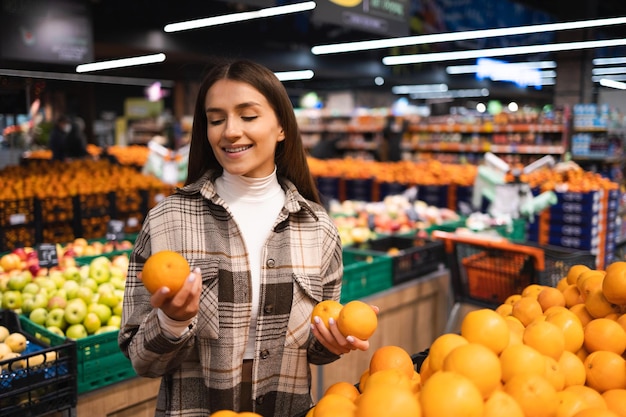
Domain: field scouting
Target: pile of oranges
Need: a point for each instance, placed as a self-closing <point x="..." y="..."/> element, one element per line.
<point x="545" y="352"/>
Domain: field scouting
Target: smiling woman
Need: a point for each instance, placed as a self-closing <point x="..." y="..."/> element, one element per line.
<point x="237" y="335"/>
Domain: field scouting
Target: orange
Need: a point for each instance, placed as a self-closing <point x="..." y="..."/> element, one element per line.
<point x="388" y="377"/>
<point x="487" y="327"/>
<point x="595" y="412"/>
<point x="616" y="401"/>
<point x="553" y="374"/>
<point x="249" y="414"/>
<point x="448" y="394"/>
<point x="325" y="310"/>
<point x="517" y="329"/>
<point x="569" y="404"/>
<point x="590" y="396"/>
<point x="441" y="347"/>
<point x="425" y="370"/>
<point x="165" y="268"/>
<point x="387" y="401"/>
<point x="597" y="304"/>
<point x="363" y="379"/>
<point x="621" y="320"/>
<point x="391" y="357"/>
<point x="343" y="388"/>
<point x="605" y="334"/>
<point x="549" y="297"/>
<point x="310" y="412"/>
<point x="224" y="413"/>
<point x="573" y="369"/>
<point x="546" y="337"/>
<point x="589" y="282"/>
<point x="571" y="327"/>
<point x="501" y="404"/>
<point x="554" y="310"/>
<point x="614" y="284"/>
<point x="511" y="299"/>
<point x="526" y="309"/>
<point x="562" y="284"/>
<point x="605" y="370"/>
<point x="477" y="362"/>
<point x="532" y="290"/>
<point x="583" y="314"/>
<point x="357" y="319"/>
<point x="574" y="272"/>
<point x="504" y="309"/>
<point x="334" y="405"/>
<point x="534" y="393"/>
<point x="520" y="358"/>
<point x="572" y="296"/>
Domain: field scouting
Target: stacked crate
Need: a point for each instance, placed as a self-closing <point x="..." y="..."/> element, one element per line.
<point x="55" y="219"/>
<point x="130" y="207"/>
<point x="17" y="223"/>
<point x="93" y="213"/>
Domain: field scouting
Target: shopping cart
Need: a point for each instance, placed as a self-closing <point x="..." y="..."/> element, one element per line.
<point x="486" y="270"/>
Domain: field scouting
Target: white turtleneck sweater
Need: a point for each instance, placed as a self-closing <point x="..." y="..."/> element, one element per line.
<point x="255" y="204"/>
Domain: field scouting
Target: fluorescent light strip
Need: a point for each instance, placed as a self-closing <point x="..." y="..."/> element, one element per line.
<point x="471" y="69"/>
<point x="295" y="75"/>
<point x="613" y="84"/>
<point x="492" y="52"/>
<point x="460" y="36"/>
<point x="84" y="78"/>
<point x="417" y="89"/>
<point x="597" y="78"/>
<point x="609" y="61"/>
<point x="238" y="17"/>
<point x="464" y="93"/>
<point x="608" y="71"/>
<point x="123" y="62"/>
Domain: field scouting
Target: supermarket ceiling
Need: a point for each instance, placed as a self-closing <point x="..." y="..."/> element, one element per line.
<point x="123" y="28"/>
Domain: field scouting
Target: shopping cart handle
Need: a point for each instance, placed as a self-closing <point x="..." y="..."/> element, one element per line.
<point x="501" y="243"/>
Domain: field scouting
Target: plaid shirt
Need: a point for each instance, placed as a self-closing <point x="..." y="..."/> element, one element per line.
<point x="201" y="371"/>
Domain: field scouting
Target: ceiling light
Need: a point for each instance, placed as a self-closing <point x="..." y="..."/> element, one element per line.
<point x="84" y="78"/>
<point x="239" y="17"/>
<point x="613" y="84"/>
<point x="620" y="77"/>
<point x="463" y="93"/>
<point x="492" y="52"/>
<point x="608" y="71"/>
<point x="423" y="88"/>
<point x="119" y="63"/>
<point x="294" y="75"/>
<point x="471" y="69"/>
<point x="609" y="61"/>
<point x="461" y="36"/>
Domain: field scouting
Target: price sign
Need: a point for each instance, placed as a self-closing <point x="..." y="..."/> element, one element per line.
<point x="47" y="255"/>
<point x="115" y="230"/>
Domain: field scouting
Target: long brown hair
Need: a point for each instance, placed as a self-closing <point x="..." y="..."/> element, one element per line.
<point x="290" y="156"/>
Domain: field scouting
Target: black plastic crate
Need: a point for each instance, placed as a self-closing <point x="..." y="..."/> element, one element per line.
<point x="12" y="237"/>
<point x="412" y="256"/>
<point x="93" y="205"/>
<point x="55" y="209"/>
<point x="30" y="387"/>
<point x="558" y="260"/>
<point x="17" y="212"/>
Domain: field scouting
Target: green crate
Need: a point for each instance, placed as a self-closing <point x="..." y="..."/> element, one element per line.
<point x="100" y="362"/>
<point x="365" y="273"/>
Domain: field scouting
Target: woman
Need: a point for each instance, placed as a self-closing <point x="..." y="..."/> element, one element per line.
<point x="263" y="253"/>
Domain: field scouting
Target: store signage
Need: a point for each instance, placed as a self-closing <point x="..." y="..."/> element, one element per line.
<point x="497" y="70"/>
<point x="47" y="255"/>
<point x="386" y="17"/>
<point x="58" y="32"/>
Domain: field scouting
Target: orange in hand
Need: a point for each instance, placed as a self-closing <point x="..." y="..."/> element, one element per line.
<point x="325" y="310"/>
<point x="165" y="269"/>
<point x="357" y="319"/>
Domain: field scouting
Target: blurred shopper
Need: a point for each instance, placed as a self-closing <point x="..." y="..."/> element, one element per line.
<point x="58" y="136"/>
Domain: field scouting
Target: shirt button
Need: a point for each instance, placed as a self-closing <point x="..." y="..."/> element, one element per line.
<point x="260" y="400"/>
<point x="269" y="309"/>
<point x="265" y="354"/>
<point x="271" y="263"/>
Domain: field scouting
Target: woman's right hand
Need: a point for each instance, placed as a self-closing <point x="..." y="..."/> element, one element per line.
<point x="184" y="305"/>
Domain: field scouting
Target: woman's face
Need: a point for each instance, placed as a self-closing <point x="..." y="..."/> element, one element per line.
<point x="242" y="128"/>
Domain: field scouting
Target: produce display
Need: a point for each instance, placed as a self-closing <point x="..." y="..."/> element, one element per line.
<point x="545" y="352"/>
<point x="70" y="299"/>
<point x="12" y="345"/>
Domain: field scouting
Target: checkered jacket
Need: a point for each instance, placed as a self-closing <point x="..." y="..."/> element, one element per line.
<point x="201" y="371"/>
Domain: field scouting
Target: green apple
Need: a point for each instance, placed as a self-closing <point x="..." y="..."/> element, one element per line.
<point x="46" y="283"/>
<point x="115" y="321"/>
<point x="117" y="272"/>
<point x="118" y="283"/>
<point x="39" y="316"/>
<point x="109" y="298"/>
<point x="75" y="311"/>
<point x="71" y="289"/>
<point x="76" y="331"/>
<point x="117" y="310"/>
<point x="90" y="283"/>
<point x="85" y="293"/>
<point x="30" y="288"/>
<point x="92" y="322"/>
<point x="99" y="269"/>
<point x="56" y="330"/>
<point x="72" y="272"/>
<point x="105" y="287"/>
<point x="106" y="329"/>
<point x="58" y="280"/>
<point x="103" y="311"/>
<point x="18" y="281"/>
<point x="56" y="301"/>
<point x="37" y="301"/>
<point x="56" y="318"/>
<point x="12" y="300"/>
<point x="84" y="272"/>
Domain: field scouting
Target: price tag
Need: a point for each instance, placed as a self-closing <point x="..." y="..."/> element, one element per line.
<point x="18" y="218"/>
<point x="47" y="255"/>
<point x="115" y="230"/>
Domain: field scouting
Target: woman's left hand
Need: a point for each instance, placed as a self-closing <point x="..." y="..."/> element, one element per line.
<point x="333" y="340"/>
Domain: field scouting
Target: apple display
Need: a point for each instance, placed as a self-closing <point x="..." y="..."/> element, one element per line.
<point x="75" y="311"/>
<point x="99" y="269"/>
<point x="90" y="283"/>
<point x="104" y="312"/>
<point x="92" y="322"/>
<point x="85" y="293"/>
<point x="76" y="331"/>
<point x="39" y="316"/>
<point x="46" y="283"/>
<point x="12" y="300"/>
<point x="71" y="289"/>
<point x="72" y="272"/>
<point x="31" y="287"/>
<point x="18" y="281"/>
<point x="56" y="318"/>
